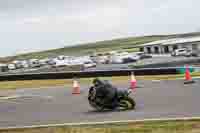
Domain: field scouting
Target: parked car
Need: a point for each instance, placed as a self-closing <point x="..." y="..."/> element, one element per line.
<point x="128" y="60"/>
<point x="123" y="57"/>
<point x="34" y="63"/>
<point x="135" y="57"/>
<point x="115" y="59"/>
<point x="185" y="52"/>
<point x="180" y="52"/>
<point x="3" y="68"/>
<point x="44" y="62"/>
<point x="11" y="66"/>
<point x="18" y="64"/>
<point x="24" y="64"/>
<point x="61" y="63"/>
<point x="89" y="64"/>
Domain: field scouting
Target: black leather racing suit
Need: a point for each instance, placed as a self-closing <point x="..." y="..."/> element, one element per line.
<point x="106" y="92"/>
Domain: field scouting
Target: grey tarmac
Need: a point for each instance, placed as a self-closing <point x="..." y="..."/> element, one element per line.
<point x="57" y="105"/>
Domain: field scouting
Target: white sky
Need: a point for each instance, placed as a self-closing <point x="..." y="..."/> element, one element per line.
<point x="30" y="25"/>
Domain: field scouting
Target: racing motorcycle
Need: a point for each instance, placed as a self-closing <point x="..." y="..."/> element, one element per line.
<point x="120" y="99"/>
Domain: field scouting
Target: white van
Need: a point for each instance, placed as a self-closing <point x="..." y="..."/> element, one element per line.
<point x="11" y="66"/>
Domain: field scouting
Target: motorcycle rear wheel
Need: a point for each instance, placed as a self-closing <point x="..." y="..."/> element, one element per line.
<point x="127" y="103"/>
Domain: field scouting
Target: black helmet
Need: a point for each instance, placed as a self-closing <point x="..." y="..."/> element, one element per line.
<point x="96" y="81"/>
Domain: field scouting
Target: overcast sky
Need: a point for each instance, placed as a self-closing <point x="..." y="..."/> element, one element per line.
<point x="30" y="25"/>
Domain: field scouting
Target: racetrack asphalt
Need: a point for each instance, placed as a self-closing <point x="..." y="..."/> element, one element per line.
<point x="57" y="105"/>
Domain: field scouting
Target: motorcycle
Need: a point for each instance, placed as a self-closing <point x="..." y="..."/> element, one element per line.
<point x="121" y="99"/>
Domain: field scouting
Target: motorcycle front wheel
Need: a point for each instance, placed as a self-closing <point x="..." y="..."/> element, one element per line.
<point x="127" y="103"/>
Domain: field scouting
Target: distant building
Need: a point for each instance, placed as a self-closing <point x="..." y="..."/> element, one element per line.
<point x="167" y="46"/>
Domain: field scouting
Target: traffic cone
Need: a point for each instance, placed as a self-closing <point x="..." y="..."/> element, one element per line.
<point x="133" y="81"/>
<point x="76" y="87"/>
<point x="188" y="78"/>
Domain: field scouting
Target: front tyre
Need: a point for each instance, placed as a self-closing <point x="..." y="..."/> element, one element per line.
<point x="92" y="93"/>
<point x="97" y="107"/>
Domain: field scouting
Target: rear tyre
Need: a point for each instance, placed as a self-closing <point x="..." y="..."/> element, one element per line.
<point x="127" y="103"/>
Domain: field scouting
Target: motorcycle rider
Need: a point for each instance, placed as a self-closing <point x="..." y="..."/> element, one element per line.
<point x="106" y="92"/>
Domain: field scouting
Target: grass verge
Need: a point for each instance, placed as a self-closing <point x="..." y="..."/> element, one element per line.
<point x="68" y="82"/>
<point x="171" y="126"/>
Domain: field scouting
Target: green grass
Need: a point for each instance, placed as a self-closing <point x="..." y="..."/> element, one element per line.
<point x="126" y="44"/>
<point x="132" y="50"/>
<point x="189" y="126"/>
<point x="10" y="85"/>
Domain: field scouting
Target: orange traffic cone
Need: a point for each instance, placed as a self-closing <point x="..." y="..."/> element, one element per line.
<point x="133" y="81"/>
<point x="76" y="87"/>
<point x="188" y="78"/>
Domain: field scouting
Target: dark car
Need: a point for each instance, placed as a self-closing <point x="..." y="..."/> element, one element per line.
<point x="128" y="60"/>
<point x="195" y="54"/>
<point x="143" y="55"/>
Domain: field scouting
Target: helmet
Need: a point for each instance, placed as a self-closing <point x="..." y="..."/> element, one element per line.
<point x="97" y="81"/>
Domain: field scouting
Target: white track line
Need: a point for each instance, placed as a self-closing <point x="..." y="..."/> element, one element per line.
<point x="9" y="97"/>
<point x="23" y="96"/>
<point x="156" y="80"/>
<point x="192" y="77"/>
<point x="47" y="97"/>
<point x="101" y="123"/>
